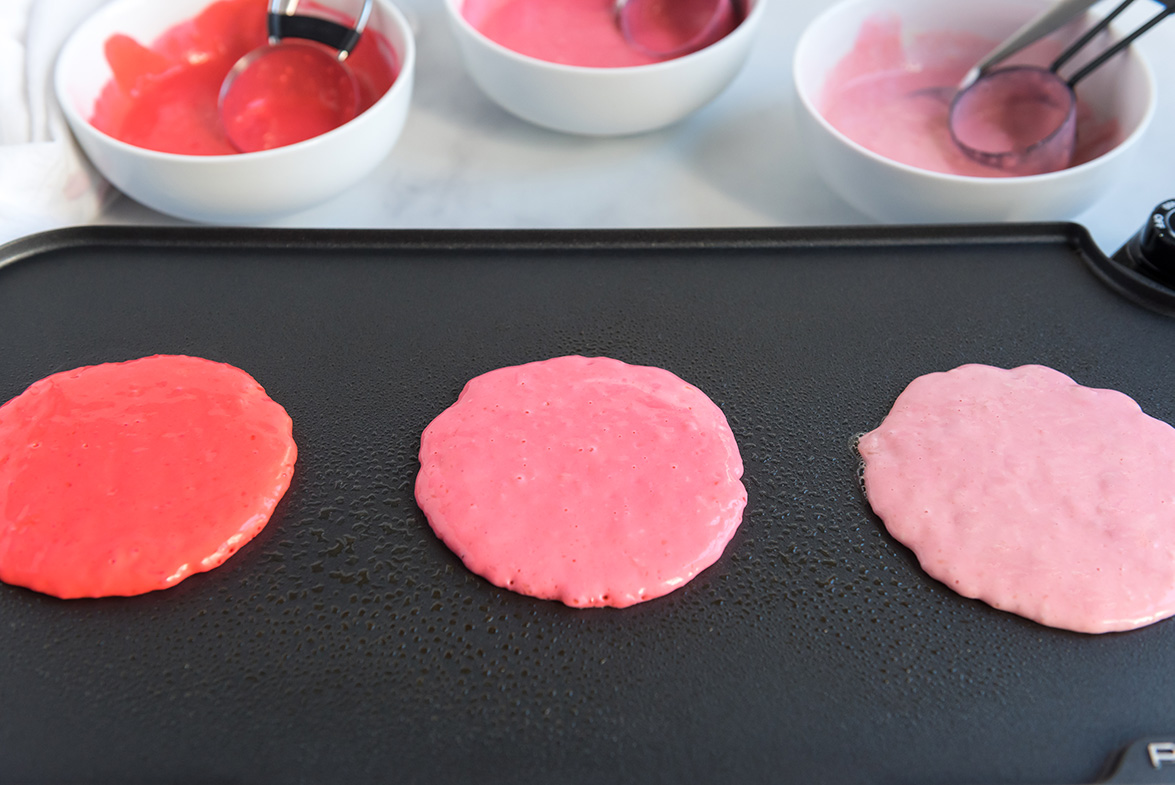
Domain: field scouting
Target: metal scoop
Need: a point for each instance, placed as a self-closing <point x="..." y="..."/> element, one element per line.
<point x="290" y="91"/>
<point x="672" y="28"/>
<point x="1023" y="119"/>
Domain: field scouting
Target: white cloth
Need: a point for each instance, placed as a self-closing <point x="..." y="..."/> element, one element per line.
<point x="45" y="180"/>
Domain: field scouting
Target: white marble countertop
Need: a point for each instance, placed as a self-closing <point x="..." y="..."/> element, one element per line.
<point x="464" y="163"/>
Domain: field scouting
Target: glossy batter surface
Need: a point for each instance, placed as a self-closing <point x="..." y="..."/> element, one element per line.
<point x="1032" y="493"/>
<point x="123" y="478"/>
<point x="571" y="32"/>
<point x="163" y="95"/>
<point x="584" y="480"/>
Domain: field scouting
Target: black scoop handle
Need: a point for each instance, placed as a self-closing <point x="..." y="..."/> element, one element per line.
<point x="313" y="28"/>
<point x="282" y="21"/>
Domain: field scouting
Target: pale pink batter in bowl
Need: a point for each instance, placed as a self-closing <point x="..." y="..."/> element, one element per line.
<point x="887" y="189"/>
<point x="1032" y="493"/>
<point x="585" y="480"/>
<point x="886" y="94"/>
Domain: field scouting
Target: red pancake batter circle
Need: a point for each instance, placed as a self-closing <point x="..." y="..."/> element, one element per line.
<point x="123" y="478"/>
<point x="585" y="480"/>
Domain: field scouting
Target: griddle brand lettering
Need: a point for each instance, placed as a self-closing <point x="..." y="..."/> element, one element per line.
<point x="1161" y="752"/>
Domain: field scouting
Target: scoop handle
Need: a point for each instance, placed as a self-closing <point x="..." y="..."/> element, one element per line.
<point x="324" y="31"/>
<point x="282" y="21"/>
<point x="1037" y="28"/>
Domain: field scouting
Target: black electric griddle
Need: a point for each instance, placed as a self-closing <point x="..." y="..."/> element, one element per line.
<point x="347" y="644"/>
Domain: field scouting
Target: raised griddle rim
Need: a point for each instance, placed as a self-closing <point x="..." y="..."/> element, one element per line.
<point x="552" y="243"/>
<point x="1110" y="270"/>
<point x="562" y="239"/>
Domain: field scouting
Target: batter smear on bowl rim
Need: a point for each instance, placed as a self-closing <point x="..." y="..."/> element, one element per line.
<point x="1032" y="493"/>
<point x="122" y="478"/>
<point x="582" y="479"/>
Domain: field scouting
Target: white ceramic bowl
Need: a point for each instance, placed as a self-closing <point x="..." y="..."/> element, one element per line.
<point x="890" y="191"/>
<point x="226" y="189"/>
<point x="602" y="101"/>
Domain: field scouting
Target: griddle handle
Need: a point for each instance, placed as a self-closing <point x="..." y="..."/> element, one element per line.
<point x="1144" y="268"/>
<point x="1149" y="761"/>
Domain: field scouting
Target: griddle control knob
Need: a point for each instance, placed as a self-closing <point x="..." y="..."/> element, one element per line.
<point x="1152" y="250"/>
<point x="1157" y="238"/>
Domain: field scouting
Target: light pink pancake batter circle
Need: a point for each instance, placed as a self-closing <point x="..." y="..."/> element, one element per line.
<point x="1032" y="493"/>
<point x="585" y="480"/>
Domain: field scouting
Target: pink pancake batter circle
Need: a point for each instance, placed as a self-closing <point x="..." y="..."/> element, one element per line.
<point x="1032" y="493"/>
<point x="585" y="480"/>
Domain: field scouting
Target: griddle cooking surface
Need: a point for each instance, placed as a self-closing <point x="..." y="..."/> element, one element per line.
<point x="347" y="644"/>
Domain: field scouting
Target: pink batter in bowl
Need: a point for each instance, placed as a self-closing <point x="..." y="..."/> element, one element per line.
<point x="600" y="100"/>
<point x="904" y="173"/>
